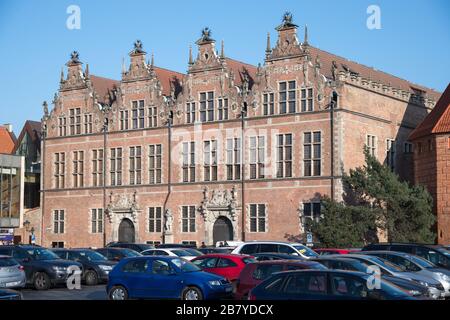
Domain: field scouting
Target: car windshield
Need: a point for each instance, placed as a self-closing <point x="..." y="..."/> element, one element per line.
<point x="305" y="250"/>
<point x="185" y="266"/>
<point x="131" y="253"/>
<point x="92" y="256"/>
<point x="7" y="262"/>
<point x="422" y="262"/>
<point x="388" y="265"/>
<point x="181" y="253"/>
<point x="193" y="252"/>
<point x="42" y="254"/>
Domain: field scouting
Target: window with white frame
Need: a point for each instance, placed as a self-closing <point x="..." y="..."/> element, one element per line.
<point x="152" y="117"/>
<point x="268" y="104"/>
<point x="312" y="154"/>
<point x="371" y="144"/>
<point x="154" y="219"/>
<point x="306" y="98"/>
<point x="97" y="220"/>
<point x="188" y="218"/>
<point x="116" y="167"/>
<point x="138" y="114"/>
<point x="189" y="243"/>
<point x="311" y="210"/>
<point x="62" y="126"/>
<point x="58" y="221"/>
<point x="233" y="159"/>
<point x="97" y="167"/>
<point x="284" y="155"/>
<point x="124" y="119"/>
<point x="88" y="123"/>
<point x="287" y="97"/>
<point x="390" y="153"/>
<point x="207" y="106"/>
<point x="188" y="156"/>
<point x="210" y="160"/>
<point x="78" y="169"/>
<point x="155" y="163"/>
<point x="75" y="121"/>
<point x="135" y="165"/>
<point x="223" y="109"/>
<point x="258" y="217"/>
<point x="257" y="156"/>
<point x="190" y="112"/>
<point x="60" y="170"/>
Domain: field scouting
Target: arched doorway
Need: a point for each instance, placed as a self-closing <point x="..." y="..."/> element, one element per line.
<point x="126" y="231"/>
<point x="222" y="230"/>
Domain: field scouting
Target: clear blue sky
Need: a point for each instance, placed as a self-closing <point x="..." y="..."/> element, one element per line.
<point x="413" y="43"/>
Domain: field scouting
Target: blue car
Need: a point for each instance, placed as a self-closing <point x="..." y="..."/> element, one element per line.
<point x="164" y="277"/>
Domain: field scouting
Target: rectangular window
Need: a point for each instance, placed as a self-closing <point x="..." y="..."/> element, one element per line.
<point x="57" y="244"/>
<point x="306" y="99"/>
<point x="78" y="169"/>
<point x="311" y="210"/>
<point x="210" y="160"/>
<point x="75" y="121"/>
<point x="60" y="170"/>
<point x="207" y="106"/>
<point x="116" y="167"/>
<point x="188" y="218"/>
<point x="190" y="112"/>
<point x="88" y="123"/>
<point x="233" y="159"/>
<point x="284" y="155"/>
<point x="287" y="96"/>
<point x="135" y="165"/>
<point x="268" y="104"/>
<point x="390" y="153"/>
<point x="188" y="161"/>
<point x="312" y="154"/>
<point x="153" y="243"/>
<point x="152" y="117"/>
<point x="189" y="243"/>
<point x="258" y="218"/>
<point x="371" y="144"/>
<point x="62" y="126"/>
<point x="97" y="221"/>
<point x="223" y="109"/>
<point x="97" y="167"/>
<point x="138" y="114"/>
<point x="58" y="221"/>
<point x="155" y="163"/>
<point x="408" y="148"/>
<point x="257" y="156"/>
<point x="154" y="219"/>
<point x="124" y="116"/>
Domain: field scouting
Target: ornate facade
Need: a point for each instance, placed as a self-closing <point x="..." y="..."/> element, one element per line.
<point x="226" y="151"/>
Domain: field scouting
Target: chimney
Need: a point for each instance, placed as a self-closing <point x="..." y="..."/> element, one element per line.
<point x="8" y="127"/>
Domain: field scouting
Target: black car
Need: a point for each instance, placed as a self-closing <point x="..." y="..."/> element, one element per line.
<point x="95" y="265"/>
<point x="175" y="245"/>
<point x="436" y="254"/>
<point x="139" y="247"/>
<point x="325" y="285"/>
<point x="117" y="254"/>
<point x="219" y="250"/>
<point x="43" y="268"/>
<point x="265" y="256"/>
<point x="7" y="294"/>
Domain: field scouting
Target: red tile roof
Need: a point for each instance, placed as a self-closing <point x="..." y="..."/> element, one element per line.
<point x="438" y="120"/>
<point x="327" y="58"/>
<point x="7" y="141"/>
<point x="239" y="68"/>
<point x="102" y="86"/>
<point x="167" y="77"/>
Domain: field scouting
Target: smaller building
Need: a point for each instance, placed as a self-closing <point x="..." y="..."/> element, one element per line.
<point x="7" y="139"/>
<point x="432" y="161"/>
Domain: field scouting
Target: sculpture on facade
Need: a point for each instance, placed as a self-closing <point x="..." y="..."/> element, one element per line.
<point x="168" y="221"/>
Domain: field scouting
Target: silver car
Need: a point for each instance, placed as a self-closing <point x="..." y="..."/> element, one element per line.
<point x="412" y="263"/>
<point x="12" y="274"/>
<point x="435" y="287"/>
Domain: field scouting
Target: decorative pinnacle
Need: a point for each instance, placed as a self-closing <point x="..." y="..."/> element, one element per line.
<point x="305" y="41"/>
<point x="268" y="48"/>
<point x="191" y="61"/>
<point x="222" y="51"/>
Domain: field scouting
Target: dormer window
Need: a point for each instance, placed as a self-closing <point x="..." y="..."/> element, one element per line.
<point x="287" y="96"/>
<point x="223" y="109"/>
<point x="75" y="121"/>
<point x="207" y="106"/>
<point x="138" y="114"/>
<point x="307" y="99"/>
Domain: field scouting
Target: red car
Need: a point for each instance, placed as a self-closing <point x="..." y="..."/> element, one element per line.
<point x="226" y="265"/>
<point x="255" y="273"/>
<point x="326" y="251"/>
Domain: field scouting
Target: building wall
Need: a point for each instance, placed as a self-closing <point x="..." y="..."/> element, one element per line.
<point x="442" y="145"/>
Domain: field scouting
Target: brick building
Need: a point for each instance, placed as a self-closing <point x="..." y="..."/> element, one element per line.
<point x="432" y="161"/>
<point x="226" y="151"/>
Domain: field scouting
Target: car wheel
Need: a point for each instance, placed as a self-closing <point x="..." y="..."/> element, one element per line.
<point x="91" y="278"/>
<point x="191" y="293"/>
<point x="118" y="293"/>
<point x="41" y="281"/>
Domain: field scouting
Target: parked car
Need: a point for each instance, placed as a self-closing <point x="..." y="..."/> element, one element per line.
<point x="207" y="250"/>
<point x="228" y="244"/>
<point x="175" y="245"/>
<point x="157" y="277"/>
<point x="325" y="285"/>
<point x="174" y="252"/>
<point x="435" y="287"/>
<point x="8" y="294"/>
<point x="253" y="247"/>
<point x="327" y="251"/>
<point x="138" y="247"/>
<point x="436" y="254"/>
<point x="255" y="273"/>
<point x="225" y="265"/>
<point x="96" y="266"/>
<point x="117" y="254"/>
<point x="340" y="263"/>
<point x="12" y="274"/>
<point x="194" y="252"/>
<point x="276" y="256"/>
<point x="411" y="263"/>
<point x="43" y="268"/>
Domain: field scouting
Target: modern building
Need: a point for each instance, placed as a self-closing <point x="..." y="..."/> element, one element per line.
<point x="228" y="150"/>
<point x="432" y="161"/>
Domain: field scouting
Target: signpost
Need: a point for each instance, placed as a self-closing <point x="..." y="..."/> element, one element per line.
<point x="6" y="235"/>
<point x="309" y="239"/>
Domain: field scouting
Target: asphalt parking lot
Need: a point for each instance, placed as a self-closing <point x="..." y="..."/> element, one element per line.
<point x="62" y="293"/>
